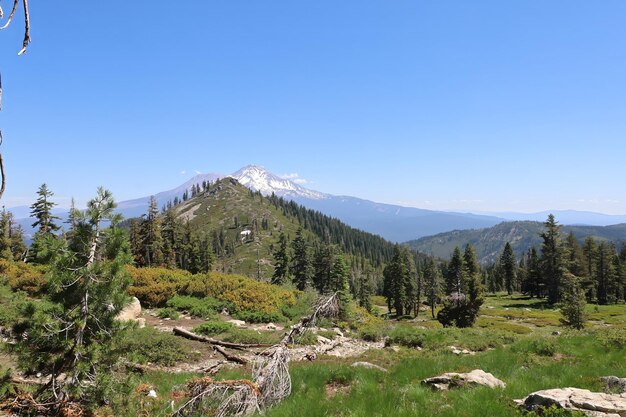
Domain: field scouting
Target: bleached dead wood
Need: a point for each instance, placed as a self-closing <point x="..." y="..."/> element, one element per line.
<point x="193" y="336"/>
<point x="270" y="384"/>
<point x="230" y="357"/>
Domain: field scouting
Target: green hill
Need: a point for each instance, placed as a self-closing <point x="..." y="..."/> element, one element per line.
<point x="247" y="226"/>
<point x="522" y="235"/>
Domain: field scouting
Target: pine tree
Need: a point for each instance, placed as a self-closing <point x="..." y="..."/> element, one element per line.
<point x="469" y="261"/>
<point x="41" y="210"/>
<point x="618" y="268"/>
<point x="507" y="260"/>
<point x="533" y="284"/>
<point x="365" y="292"/>
<point x="136" y="242"/>
<point x="339" y="284"/>
<point x="455" y="275"/>
<point x="573" y="302"/>
<point x="5" y="237"/>
<point x="431" y="285"/>
<point x="575" y="261"/>
<point x="462" y="305"/>
<point x="605" y="273"/>
<point x="301" y="263"/>
<point x="522" y="273"/>
<point x="552" y="263"/>
<point x="323" y="265"/>
<point x="71" y="339"/>
<point x="409" y="282"/>
<point x="151" y="236"/>
<point x="281" y="261"/>
<point x="394" y="275"/>
<point x="589" y="256"/>
<point x="18" y="243"/>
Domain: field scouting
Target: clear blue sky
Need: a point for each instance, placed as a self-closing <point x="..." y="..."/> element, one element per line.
<point x="478" y="105"/>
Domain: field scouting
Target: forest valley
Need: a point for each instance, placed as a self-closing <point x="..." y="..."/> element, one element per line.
<point x="197" y="308"/>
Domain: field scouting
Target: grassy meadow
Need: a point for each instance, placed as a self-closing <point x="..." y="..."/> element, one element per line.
<point x="518" y="340"/>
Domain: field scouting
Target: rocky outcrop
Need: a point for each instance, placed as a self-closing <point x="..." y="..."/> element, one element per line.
<point x="368" y="366"/>
<point x="455" y="380"/>
<point x="614" y="383"/>
<point x="131" y="311"/>
<point x="460" y="351"/>
<point x="597" y="404"/>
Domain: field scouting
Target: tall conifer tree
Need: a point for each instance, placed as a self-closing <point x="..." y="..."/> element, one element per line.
<point x="552" y="263"/>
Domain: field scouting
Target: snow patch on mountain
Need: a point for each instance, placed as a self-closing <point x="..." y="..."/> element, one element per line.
<point x="259" y="179"/>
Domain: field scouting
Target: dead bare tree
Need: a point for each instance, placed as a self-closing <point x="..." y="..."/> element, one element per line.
<point x="24" y="46"/>
<point x="270" y="384"/>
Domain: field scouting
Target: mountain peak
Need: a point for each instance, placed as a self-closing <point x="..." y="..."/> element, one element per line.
<point x="257" y="178"/>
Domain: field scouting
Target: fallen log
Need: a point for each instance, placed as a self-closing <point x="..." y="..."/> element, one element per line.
<point x="193" y="336"/>
<point x="228" y="356"/>
<point x="27" y="381"/>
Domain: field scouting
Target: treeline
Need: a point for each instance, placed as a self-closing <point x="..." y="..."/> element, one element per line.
<point x="598" y="268"/>
<point x="411" y="280"/>
<point x="349" y="240"/>
<point x="319" y="266"/>
<point x="162" y="239"/>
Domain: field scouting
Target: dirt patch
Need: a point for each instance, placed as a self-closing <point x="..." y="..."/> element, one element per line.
<point x="165" y="325"/>
<point x="336" y="388"/>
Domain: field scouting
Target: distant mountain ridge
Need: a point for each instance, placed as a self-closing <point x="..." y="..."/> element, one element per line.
<point x="570" y="217"/>
<point x="489" y="242"/>
<point x="393" y="222"/>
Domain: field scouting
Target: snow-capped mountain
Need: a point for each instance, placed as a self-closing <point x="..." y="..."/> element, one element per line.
<point x="259" y="179"/>
<point x="393" y="222"/>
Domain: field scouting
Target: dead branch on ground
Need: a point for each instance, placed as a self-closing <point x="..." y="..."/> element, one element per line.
<point x="270" y="384"/>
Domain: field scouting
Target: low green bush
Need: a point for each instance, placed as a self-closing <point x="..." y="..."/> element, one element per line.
<point x="308" y="338"/>
<point x="302" y="306"/>
<point x="150" y="345"/>
<point x="211" y="328"/>
<point x="328" y="334"/>
<point x="408" y="336"/>
<point x="259" y="317"/>
<point x="247" y="336"/>
<point x="540" y="347"/>
<point x="371" y="333"/>
<point x="12" y="304"/>
<point x="543" y="347"/>
<point x="204" y="308"/>
<point x="168" y="313"/>
<point x="341" y="376"/>
<point x="613" y="338"/>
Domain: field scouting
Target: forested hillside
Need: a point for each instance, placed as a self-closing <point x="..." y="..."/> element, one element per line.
<point x="227" y="227"/>
<point x="522" y="235"/>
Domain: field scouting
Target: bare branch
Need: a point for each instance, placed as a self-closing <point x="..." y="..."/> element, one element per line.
<point x="2" y="173"/>
<point x="193" y="336"/>
<point x="6" y="25"/>
<point x="26" y="28"/>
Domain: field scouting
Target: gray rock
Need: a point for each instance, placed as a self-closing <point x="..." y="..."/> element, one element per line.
<point x="596" y="404"/>
<point x="453" y="380"/>
<point x="131" y="312"/>
<point x="614" y="383"/>
<point x="368" y="366"/>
